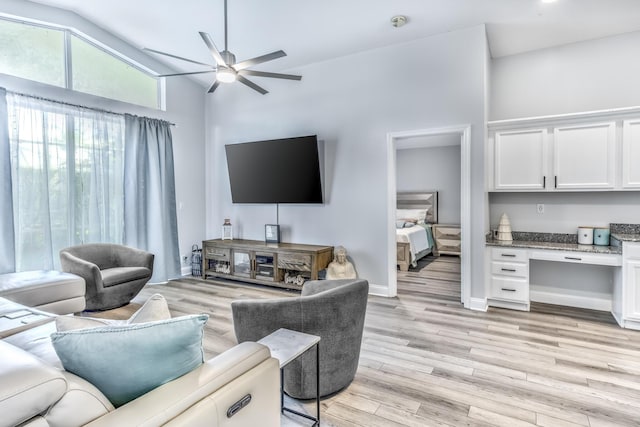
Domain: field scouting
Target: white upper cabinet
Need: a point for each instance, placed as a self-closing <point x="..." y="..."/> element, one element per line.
<point x="631" y="154"/>
<point x="520" y="160"/>
<point x="584" y="156"/>
<point x="589" y="151"/>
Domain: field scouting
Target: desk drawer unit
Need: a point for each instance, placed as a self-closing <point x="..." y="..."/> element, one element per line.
<point x="508" y="255"/>
<point x="509" y="278"/>
<point x="513" y="269"/>
<point x="510" y="289"/>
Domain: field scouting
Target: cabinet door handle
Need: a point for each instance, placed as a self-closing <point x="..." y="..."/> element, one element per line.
<point x="544" y="182"/>
<point x="512" y="270"/>
<point x="555" y="179"/>
<point x="509" y="255"/>
<point x="508" y="289"/>
<point x="573" y="258"/>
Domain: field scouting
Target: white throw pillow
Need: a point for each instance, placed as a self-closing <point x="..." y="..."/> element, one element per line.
<point x="155" y="308"/>
<point x="412" y="215"/>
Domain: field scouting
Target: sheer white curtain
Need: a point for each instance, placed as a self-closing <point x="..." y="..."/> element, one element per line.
<point x="67" y="178"/>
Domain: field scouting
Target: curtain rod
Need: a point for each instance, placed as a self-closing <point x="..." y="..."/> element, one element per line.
<point x="101" y="110"/>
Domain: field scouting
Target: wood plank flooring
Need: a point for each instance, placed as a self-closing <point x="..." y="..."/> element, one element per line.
<point x="426" y="361"/>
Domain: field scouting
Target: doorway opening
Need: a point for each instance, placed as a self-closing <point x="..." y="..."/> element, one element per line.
<point x="427" y="138"/>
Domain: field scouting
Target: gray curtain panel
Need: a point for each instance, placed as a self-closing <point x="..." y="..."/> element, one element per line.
<point x="7" y="240"/>
<point x="150" y="221"/>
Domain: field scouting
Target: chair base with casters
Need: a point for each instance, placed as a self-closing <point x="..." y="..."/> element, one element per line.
<point x="334" y="310"/>
<point x="114" y="274"/>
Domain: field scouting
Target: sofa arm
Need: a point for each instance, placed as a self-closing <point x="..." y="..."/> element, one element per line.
<point x="89" y="271"/>
<point x="202" y="397"/>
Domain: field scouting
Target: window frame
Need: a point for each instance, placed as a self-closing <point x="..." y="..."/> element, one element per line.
<point x="67" y="33"/>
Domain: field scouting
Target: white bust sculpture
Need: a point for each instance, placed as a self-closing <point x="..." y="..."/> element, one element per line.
<point x="340" y="267"/>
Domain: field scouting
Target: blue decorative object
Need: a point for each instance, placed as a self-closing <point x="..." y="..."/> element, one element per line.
<point x="601" y="236"/>
<point x="125" y="362"/>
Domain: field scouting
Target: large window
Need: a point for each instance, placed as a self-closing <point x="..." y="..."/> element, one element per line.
<point x="32" y="52"/>
<point x="67" y="175"/>
<point x="62" y="58"/>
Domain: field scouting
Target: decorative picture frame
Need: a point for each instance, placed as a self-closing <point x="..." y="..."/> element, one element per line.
<point x="272" y="233"/>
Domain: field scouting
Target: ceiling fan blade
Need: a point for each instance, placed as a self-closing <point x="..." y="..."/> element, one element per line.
<point x="259" y="60"/>
<point x="273" y="75"/>
<point x="186" y="74"/>
<point x="214" y="86"/>
<point x="175" y="56"/>
<point x="251" y="84"/>
<point x="212" y="47"/>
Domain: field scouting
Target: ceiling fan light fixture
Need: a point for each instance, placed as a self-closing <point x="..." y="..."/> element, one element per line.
<point x="226" y="75"/>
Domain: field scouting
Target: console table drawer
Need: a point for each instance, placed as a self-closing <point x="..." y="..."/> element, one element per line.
<point x="510" y="269"/>
<point x="297" y="262"/>
<point x="221" y="254"/>
<point x="510" y="289"/>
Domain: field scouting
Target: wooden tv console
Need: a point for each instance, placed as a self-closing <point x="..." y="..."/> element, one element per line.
<point x="283" y="265"/>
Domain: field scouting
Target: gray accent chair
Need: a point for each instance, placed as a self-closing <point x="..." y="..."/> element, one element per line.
<point x="331" y="309"/>
<point x="114" y="274"/>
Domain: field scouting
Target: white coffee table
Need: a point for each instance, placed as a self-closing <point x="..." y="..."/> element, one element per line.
<point x="286" y="345"/>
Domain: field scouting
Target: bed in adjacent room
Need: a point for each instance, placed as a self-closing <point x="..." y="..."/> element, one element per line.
<point x="415" y="212"/>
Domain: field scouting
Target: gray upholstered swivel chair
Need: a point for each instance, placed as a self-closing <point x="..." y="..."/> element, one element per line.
<point x="114" y="274"/>
<point x="331" y="309"/>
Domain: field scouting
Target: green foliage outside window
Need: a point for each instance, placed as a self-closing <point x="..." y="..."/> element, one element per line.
<point x="37" y="53"/>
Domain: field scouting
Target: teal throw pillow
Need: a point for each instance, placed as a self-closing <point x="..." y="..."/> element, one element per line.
<point x="127" y="361"/>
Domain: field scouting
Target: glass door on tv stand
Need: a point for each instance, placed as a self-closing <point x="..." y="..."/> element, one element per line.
<point x="242" y="263"/>
<point x="266" y="266"/>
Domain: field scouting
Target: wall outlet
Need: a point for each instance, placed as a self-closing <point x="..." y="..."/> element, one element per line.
<point x="540" y="208"/>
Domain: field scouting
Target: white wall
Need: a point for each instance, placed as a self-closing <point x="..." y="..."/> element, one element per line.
<point x="184" y="107"/>
<point x="586" y="76"/>
<point x="432" y="168"/>
<point x="351" y="103"/>
<point x="564" y="212"/>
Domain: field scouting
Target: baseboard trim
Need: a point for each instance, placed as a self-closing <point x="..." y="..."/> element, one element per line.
<point x="186" y="271"/>
<point x="377" y="290"/>
<point x="580" y="301"/>
<point x="478" y="304"/>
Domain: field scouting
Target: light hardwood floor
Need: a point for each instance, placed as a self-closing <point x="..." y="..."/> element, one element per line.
<point x="427" y="361"/>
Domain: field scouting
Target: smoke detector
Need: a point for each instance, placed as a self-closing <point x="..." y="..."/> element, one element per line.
<point x="398" y="21"/>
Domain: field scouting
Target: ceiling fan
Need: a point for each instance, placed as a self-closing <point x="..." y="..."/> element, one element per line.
<point x="227" y="69"/>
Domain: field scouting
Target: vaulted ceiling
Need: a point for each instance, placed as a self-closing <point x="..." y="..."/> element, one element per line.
<point x="312" y="31"/>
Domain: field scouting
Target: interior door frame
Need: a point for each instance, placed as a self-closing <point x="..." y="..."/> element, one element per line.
<point x="464" y="132"/>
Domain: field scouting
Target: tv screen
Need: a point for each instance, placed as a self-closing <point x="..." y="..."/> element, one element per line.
<point x="275" y="171"/>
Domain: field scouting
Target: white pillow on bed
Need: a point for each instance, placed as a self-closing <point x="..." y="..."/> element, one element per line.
<point x="412" y="215"/>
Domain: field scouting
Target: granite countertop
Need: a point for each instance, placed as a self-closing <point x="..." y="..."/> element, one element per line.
<point x="627" y="237"/>
<point x="569" y="242"/>
<point x="557" y="246"/>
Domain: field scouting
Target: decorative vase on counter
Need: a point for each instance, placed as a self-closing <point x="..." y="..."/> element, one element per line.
<point x="504" y="229"/>
<point x="585" y="235"/>
<point x="601" y="236"/>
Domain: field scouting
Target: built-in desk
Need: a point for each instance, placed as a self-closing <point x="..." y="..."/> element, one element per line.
<point x="508" y="273"/>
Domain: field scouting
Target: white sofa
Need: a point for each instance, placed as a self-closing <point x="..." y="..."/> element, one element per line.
<point x="36" y="392"/>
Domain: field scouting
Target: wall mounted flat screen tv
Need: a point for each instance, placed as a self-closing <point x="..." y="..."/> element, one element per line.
<point x="275" y="171"/>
